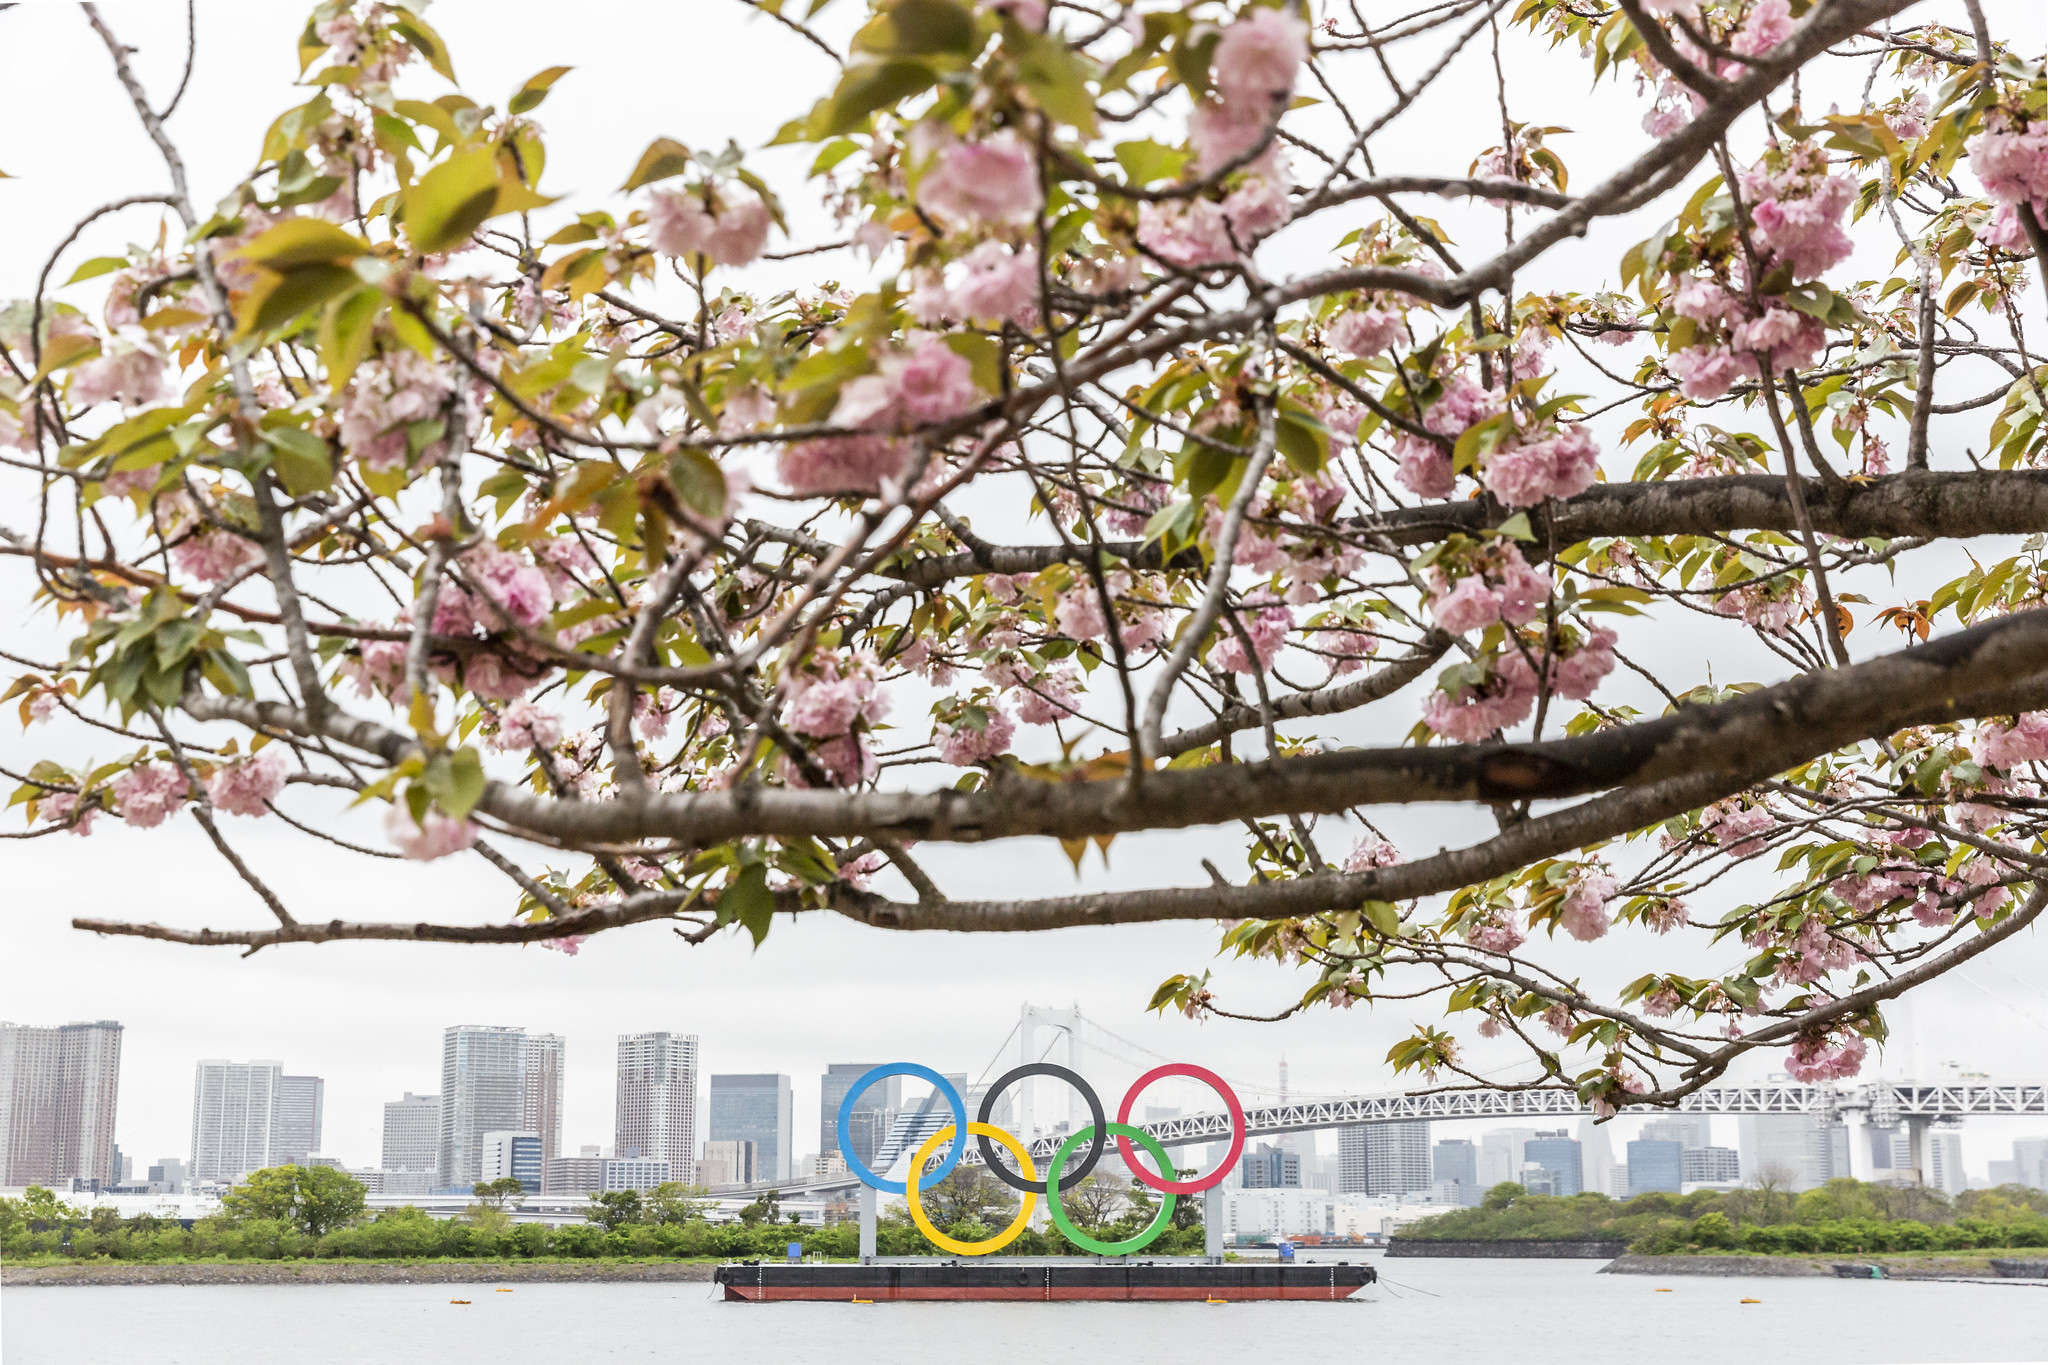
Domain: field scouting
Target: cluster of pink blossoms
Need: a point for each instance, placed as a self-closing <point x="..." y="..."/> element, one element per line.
<point x="148" y="794"/>
<point x="931" y="382"/>
<point x="1560" y="465"/>
<point x="1501" y="587"/>
<point x="1821" y="1056"/>
<point x="826" y="702"/>
<point x="1266" y="621"/>
<point x="1366" y="332"/>
<point x="387" y="394"/>
<point x="1192" y="233"/>
<point x="60" y="806"/>
<point x="996" y="284"/>
<point x="2006" y="747"/>
<point x="1425" y="468"/>
<point x="1736" y="828"/>
<point x="1796" y="209"/>
<point x="1473" y="711"/>
<point x="438" y="837"/>
<point x="1775" y="606"/>
<point x="1042" y="698"/>
<point x="134" y="378"/>
<point x="1370" y="852"/>
<point x="1495" y="931"/>
<point x="2011" y="158"/>
<point x="1584" y="912"/>
<point x="523" y="726"/>
<point x="213" y="555"/>
<point x="965" y="738"/>
<point x="990" y="183"/>
<point x="248" y="787"/>
<point x="732" y="232"/>
<point x="1767" y="24"/>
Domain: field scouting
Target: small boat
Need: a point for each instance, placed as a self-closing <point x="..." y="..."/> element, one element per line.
<point x="458" y="1300"/>
<point x="1866" y="1271"/>
<point x="1752" y="1300"/>
<point x="503" y="1290"/>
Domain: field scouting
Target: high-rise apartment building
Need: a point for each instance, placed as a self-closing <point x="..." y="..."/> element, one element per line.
<point x="495" y="1079"/>
<point x="1557" y="1153"/>
<point x="59" y="1088"/>
<point x="541" y="1111"/>
<point x="234" y="1118"/>
<point x="867" y="1126"/>
<point x="1711" y="1166"/>
<point x="1270" y="1168"/>
<point x="756" y="1109"/>
<point x="300" y="1100"/>
<point x="412" y="1137"/>
<point x="1396" y="1157"/>
<point x="657" y="1098"/>
<point x="1945" y="1161"/>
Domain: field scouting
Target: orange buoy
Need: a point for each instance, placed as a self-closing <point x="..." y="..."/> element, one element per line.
<point x="1752" y="1300"/>
<point x="458" y="1300"/>
<point x="503" y="1290"/>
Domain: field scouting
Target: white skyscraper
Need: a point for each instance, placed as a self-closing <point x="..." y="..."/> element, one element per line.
<point x="234" y="1118"/>
<point x="657" y="1098"/>
<point x="1597" y="1150"/>
<point x="1945" y="1161"/>
<point x="412" y="1137"/>
<point x="495" y="1079"/>
<point x="1500" y="1156"/>
<point x="58" y="1091"/>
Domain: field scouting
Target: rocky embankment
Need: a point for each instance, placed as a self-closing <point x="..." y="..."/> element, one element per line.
<point x="1899" y="1268"/>
<point x="336" y="1272"/>
<point x="1507" y="1249"/>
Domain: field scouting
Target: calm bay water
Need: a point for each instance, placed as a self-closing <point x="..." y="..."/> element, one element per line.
<point x="1491" y="1311"/>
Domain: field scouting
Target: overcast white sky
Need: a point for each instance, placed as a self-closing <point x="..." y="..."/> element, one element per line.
<point x="368" y="1016"/>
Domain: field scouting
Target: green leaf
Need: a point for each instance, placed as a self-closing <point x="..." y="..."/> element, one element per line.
<point x="866" y="88"/>
<point x="983" y="354"/>
<point x="1147" y="161"/>
<point x="346" y="331"/>
<point x="303" y="241"/>
<point x="280" y="298"/>
<point x="451" y="201"/>
<point x="1384" y="916"/>
<point x="98" y="265"/>
<point x="302" y="460"/>
<point x="664" y="157"/>
<point x="749" y="901"/>
<point x="922" y="28"/>
<point x="1516" y="527"/>
<point x="529" y="95"/>
<point x="421" y="35"/>
<point x="698" y="481"/>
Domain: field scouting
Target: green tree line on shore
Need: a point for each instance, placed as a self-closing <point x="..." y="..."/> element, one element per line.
<point x="306" y="1213"/>
<point x="1764" y="1218"/>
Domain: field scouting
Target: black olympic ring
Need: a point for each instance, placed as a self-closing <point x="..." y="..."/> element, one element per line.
<point x="1096" y="1116"/>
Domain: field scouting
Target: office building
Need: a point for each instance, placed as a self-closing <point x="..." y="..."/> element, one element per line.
<point x="1455" y="1161"/>
<point x="299" y="1103"/>
<point x="1396" y="1157"/>
<point x="412" y="1139"/>
<point x="234" y="1119"/>
<point x="1596" y="1159"/>
<point x="495" y="1079"/>
<point x="867" y="1127"/>
<point x="1500" y="1156"/>
<point x="2030" y="1155"/>
<point x="1796" y="1151"/>
<point x="729" y="1162"/>
<point x="2004" y="1173"/>
<point x="59" y="1088"/>
<point x="1945" y="1161"/>
<point x="1711" y="1166"/>
<point x="757" y="1109"/>
<point x="166" y="1175"/>
<point x="1558" y="1154"/>
<point x="1262" y="1215"/>
<point x="1655" y="1164"/>
<point x="656" y="1114"/>
<point x="573" y="1174"/>
<point x="1535" y="1179"/>
<point x="517" y="1155"/>
<point x="1269" y="1168"/>
<point x="406" y="1183"/>
<point x="1687" y="1130"/>
<point x="633" y="1173"/>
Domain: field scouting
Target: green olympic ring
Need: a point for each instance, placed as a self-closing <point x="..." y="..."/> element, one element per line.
<point x="1160" y="1222"/>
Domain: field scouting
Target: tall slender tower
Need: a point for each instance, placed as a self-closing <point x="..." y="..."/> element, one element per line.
<point x="483" y="1090"/>
<point x="541" y="1109"/>
<point x="657" y="1100"/>
<point x="234" y="1118"/>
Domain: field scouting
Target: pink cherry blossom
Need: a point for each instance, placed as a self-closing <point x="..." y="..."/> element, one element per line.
<point x="1000" y="285"/>
<point x="1523" y="591"/>
<point x="1579" y="674"/>
<point x="1584" y="912"/>
<point x="1049" y="696"/>
<point x="248" y="787"/>
<point x="1767" y="25"/>
<point x="1737" y="828"/>
<point x="1258" y="56"/>
<point x="520" y="588"/>
<point x="1474" y="713"/>
<point x="149" y="794"/>
<point x="994" y="181"/>
<point x="1775" y="607"/>
<point x="1703" y="301"/>
<point x="523" y="726"/>
<point x="58" y="807"/>
<point x="841" y="464"/>
<point x="1469" y="606"/>
<point x="1187" y="233"/>
<point x="1223" y="133"/>
<point x="1558" y="466"/>
<point x="1078" y="612"/>
<point x="680" y="225"/>
<point x="1351" y="649"/>
<point x="438" y="837"/>
<point x="214" y="556"/>
<point x="840" y="692"/>
<point x="1819" y="1057"/>
<point x="1705" y="373"/>
<point x="1257" y="208"/>
<point x="1494" y="934"/>
<point x="134" y="378"/>
<point x="2006" y="747"/>
<point x="1798" y="214"/>
<point x="963" y="744"/>
<point x="387" y="394"/>
<point x="1425" y="468"/>
<point x="1267" y="624"/>
<point x="1366" y="332"/>
<point x="933" y="382"/>
<point x="1370" y="852"/>
<point x="568" y="945"/>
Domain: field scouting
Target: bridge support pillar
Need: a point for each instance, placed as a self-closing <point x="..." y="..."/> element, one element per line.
<point x="1212" y="1222"/>
<point x="1916" y="1141"/>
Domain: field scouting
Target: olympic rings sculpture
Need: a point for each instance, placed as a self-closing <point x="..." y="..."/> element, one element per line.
<point x="1058" y="1178"/>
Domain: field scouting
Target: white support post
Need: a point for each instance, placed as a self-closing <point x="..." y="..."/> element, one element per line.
<point x="869" y="1197"/>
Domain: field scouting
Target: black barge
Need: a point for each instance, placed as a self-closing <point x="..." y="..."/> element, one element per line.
<point x="1058" y="1280"/>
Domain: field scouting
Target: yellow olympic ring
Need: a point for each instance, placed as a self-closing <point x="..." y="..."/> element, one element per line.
<point x="940" y="1239"/>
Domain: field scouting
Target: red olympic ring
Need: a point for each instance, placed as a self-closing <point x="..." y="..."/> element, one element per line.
<point x="1237" y="1129"/>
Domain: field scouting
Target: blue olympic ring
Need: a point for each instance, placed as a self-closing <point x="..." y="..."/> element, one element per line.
<point x="923" y="1073"/>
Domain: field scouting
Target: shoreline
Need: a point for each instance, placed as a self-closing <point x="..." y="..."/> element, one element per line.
<point x="1977" y="1269"/>
<point x="331" y="1272"/>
